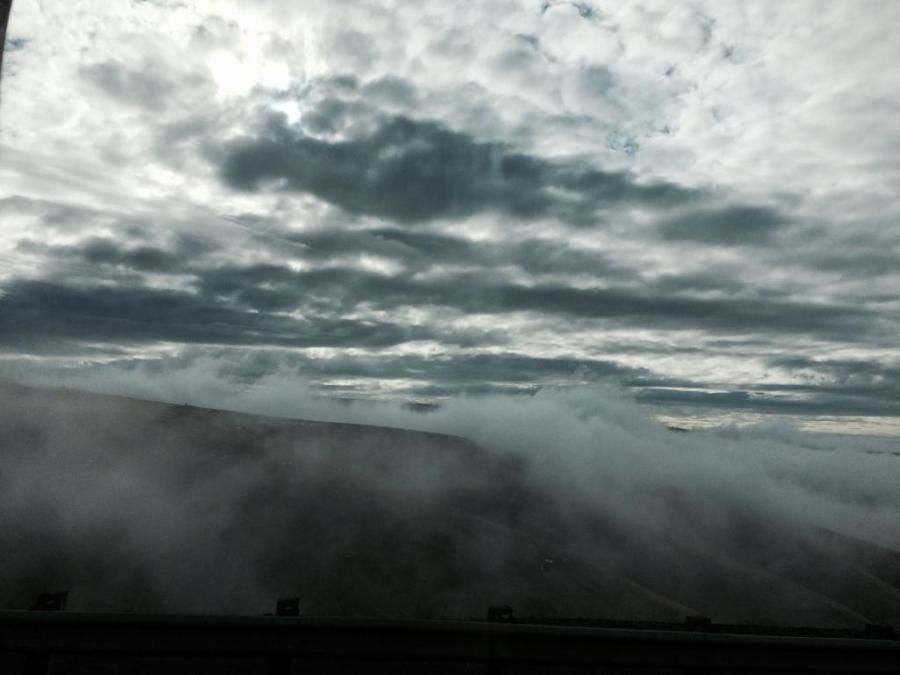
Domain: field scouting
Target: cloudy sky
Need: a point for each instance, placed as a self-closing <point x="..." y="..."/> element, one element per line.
<point x="418" y="200"/>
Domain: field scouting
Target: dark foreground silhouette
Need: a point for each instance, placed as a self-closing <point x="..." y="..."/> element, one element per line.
<point x="87" y="644"/>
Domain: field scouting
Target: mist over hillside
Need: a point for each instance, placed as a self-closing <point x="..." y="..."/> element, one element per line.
<point x="568" y="504"/>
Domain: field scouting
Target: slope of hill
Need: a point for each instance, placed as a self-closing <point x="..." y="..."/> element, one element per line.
<point x="140" y="506"/>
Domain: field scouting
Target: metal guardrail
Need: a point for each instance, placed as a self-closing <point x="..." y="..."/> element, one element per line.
<point x="281" y="642"/>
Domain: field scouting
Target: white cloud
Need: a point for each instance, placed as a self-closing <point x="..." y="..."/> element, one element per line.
<point x="788" y="106"/>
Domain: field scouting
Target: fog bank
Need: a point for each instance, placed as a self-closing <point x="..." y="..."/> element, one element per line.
<point x="567" y="503"/>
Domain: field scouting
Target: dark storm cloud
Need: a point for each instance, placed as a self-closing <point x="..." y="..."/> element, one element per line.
<point x="860" y="259"/>
<point x="716" y="279"/>
<point x="134" y="249"/>
<point x="717" y="315"/>
<point x="726" y="226"/>
<point x="103" y="251"/>
<point x="345" y="289"/>
<point x="247" y="304"/>
<point x="412" y="171"/>
<point x="49" y="310"/>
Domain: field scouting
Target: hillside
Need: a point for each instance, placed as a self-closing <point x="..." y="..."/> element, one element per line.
<point x="140" y="506"/>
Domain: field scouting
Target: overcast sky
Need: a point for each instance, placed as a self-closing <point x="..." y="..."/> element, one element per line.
<point x="416" y="200"/>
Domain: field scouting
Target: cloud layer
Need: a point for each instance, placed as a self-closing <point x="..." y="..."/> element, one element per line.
<point x="411" y="202"/>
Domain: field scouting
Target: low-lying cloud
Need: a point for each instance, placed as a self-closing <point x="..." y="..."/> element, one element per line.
<point x="568" y="503"/>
